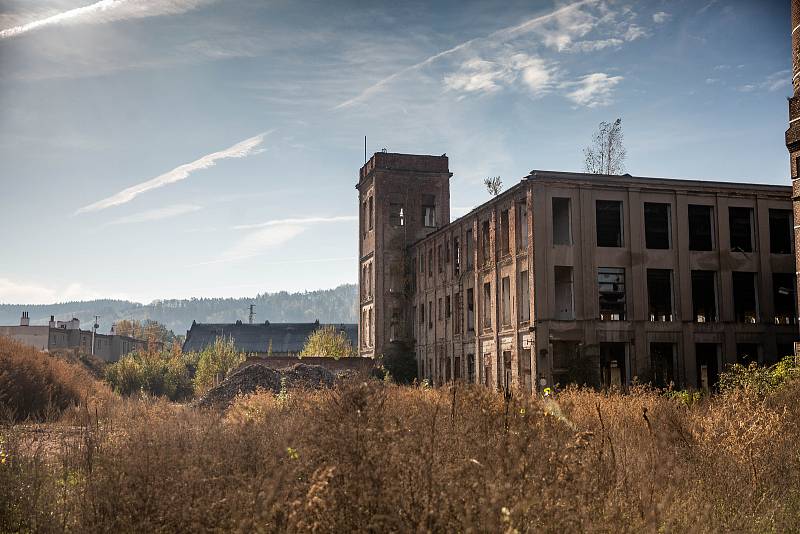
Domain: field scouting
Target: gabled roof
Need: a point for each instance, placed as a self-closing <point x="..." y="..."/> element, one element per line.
<point x="249" y="338"/>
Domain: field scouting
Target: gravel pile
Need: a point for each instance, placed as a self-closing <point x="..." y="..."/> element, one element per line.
<point x="249" y="378"/>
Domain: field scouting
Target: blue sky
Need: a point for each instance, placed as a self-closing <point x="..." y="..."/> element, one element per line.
<point x="187" y="148"/>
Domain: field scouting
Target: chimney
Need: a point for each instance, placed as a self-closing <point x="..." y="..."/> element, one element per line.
<point x="52" y="323"/>
<point x="25" y="320"/>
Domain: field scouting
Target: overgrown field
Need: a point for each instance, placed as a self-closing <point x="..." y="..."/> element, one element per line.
<point x="371" y="456"/>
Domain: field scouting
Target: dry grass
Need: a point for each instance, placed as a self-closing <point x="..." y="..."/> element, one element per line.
<point x="376" y="457"/>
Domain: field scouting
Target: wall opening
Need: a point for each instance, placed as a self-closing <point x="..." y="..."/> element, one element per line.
<point x="471" y="368"/>
<point x="745" y="300"/>
<point x="470" y="250"/>
<point x="505" y="292"/>
<point x="707" y="368"/>
<point x="456" y="256"/>
<point x="485" y="248"/>
<point x="701" y="227"/>
<point x="659" y="294"/>
<point x="612" y="365"/>
<point x="741" y="226"/>
<point x="524" y="297"/>
<point x="470" y="310"/>
<point x="429" y="211"/>
<point x="487" y="305"/>
<point x="783" y="295"/>
<point x="522" y="225"/>
<point x="662" y="357"/>
<point x="505" y="233"/>
<point x="396" y="215"/>
<point x="564" y="299"/>
<point x="611" y="285"/>
<point x="746" y="353"/>
<point x="562" y="231"/>
<point x="657" y="225"/>
<point x="704" y="296"/>
<point x="609" y="223"/>
<point x="780" y="231"/>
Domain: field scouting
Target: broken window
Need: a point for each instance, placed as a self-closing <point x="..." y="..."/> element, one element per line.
<point x="707" y="368"/>
<point x="657" y="225"/>
<point x="659" y="294"/>
<point x="422" y="261"/>
<point x="741" y="226"/>
<point x="470" y="368"/>
<point x="470" y="310"/>
<point x="701" y="227"/>
<point x="469" y="252"/>
<point x="447" y="250"/>
<point x="662" y="364"/>
<point x="505" y="293"/>
<point x="611" y="284"/>
<point x="522" y="224"/>
<point x="396" y="215"/>
<point x="456" y="256"/>
<point x="780" y="231"/>
<point x="430" y="262"/>
<point x="370" y="212"/>
<point x="439" y="258"/>
<point x="746" y="353"/>
<point x="564" y="302"/>
<point x="704" y="296"/>
<point x="487" y="305"/>
<point x="439" y="309"/>
<point x="369" y="327"/>
<point x="562" y="231"/>
<point x="783" y="295"/>
<point x="612" y="365"/>
<point x="430" y="315"/>
<point x="485" y="242"/>
<point x="745" y="303"/>
<point x="524" y="297"/>
<point x="447" y="307"/>
<point x="459" y="314"/>
<point x="413" y="320"/>
<point x="609" y="223"/>
<point x="422" y="314"/>
<point x="504" y="233"/>
<point x="428" y="211"/>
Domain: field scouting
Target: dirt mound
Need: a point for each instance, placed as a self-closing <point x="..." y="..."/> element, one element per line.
<point x="249" y="378"/>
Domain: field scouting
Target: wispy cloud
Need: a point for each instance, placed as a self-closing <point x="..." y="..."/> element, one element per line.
<point x="157" y="214"/>
<point x="661" y="17"/>
<point x="306" y="220"/>
<point x="773" y="82"/>
<point x="239" y="150"/>
<point x="498" y="36"/>
<point x="593" y="90"/>
<point x="483" y="76"/>
<point x="107" y="11"/>
<point x="15" y="292"/>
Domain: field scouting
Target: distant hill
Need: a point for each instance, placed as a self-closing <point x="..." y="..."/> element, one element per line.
<point x="337" y="305"/>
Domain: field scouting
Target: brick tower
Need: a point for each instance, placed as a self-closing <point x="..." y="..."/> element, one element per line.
<point x="793" y="133"/>
<point x="402" y="198"/>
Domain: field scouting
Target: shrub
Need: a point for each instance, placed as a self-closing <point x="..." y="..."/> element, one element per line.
<point x="759" y="380"/>
<point x="327" y="341"/>
<point x="36" y="385"/>
<point x="167" y="374"/>
<point x="215" y="362"/>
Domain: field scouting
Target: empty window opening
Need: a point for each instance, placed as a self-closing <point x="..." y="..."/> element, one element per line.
<point x="422" y="261"/>
<point x="486" y="249"/>
<point x="611" y="282"/>
<point x="701" y="227"/>
<point x="470" y="310"/>
<point x="662" y="364"/>
<point x="564" y="300"/>
<point x="371" y="211"/>
<point x="707" y="368"/>
<point x="504" y="233"/>
<point x="704" y="296"/>
<point x="522" y="225"/>
<point x="741" y="226"/>
<point x="505" y="290"/>
<point x="471" y="368"/>
<point x="457" y="368"/>
<point x="447" y="307"/>
<point x="612" y="365"/>
<point x="562" y="225"/>
<point x="783" y="295"/>
<point x="524" y="297"/>
<point x="456" y="256"/>
<point x="440" y="308"/>
<point x="396" y="215"/>
<point x="428" y="211"/>
<point x="459" y="314"/>
<point x="746" y="353"/>
<point x="745" y="302"/>
<point x="659" y="294"/>
<point x="369" y="327"/>
<point x="487" y="305"/>
<point x="657" y="225"/>
<point x="439" y="258"/>
<point x="430" y="315"/>
<point x="422" y="314"/>
<point x="780" y="231"/>
<point x="470" y="250"/>
<point x="609" y="223"/>
<point x="507" y="375"/>
<point x="447" y="251"/>
<point x="369" y="280"/>
<point x="430" y="262"/>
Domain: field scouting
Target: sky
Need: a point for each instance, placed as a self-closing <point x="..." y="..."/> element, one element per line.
<point x="155" y="149"/>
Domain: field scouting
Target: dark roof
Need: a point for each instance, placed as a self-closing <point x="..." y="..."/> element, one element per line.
<point x="285" y="337"/>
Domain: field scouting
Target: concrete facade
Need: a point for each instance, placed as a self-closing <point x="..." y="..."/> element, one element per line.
<point x="586" y="278"/>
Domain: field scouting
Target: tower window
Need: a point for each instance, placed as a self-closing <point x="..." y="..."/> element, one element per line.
<point x="370" y="213"/>
<point x="429" y="211"/>
<point x="396" y="215"/>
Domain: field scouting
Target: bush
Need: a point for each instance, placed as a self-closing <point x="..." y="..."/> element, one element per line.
<point x="327" y="341"/>
<point x="36" y="385"/>
<point x="162" y="374"/>
<point x="758" y="379"/>
<point x="215" y="362"/>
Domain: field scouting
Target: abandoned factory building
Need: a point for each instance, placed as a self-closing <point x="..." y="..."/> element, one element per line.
<point x="569" y="277"/>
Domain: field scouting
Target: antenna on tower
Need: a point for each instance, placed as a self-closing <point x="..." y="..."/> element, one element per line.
<point x="365" y="149"/>
<point x="252" y="315"/>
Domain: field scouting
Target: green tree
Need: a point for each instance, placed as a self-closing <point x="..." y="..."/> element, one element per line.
<point x="327" y="341"/>
<point x="160" y="373"/>
<point x="215" y="362"/>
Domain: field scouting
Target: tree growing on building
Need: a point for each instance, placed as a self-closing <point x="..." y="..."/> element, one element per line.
<point x="327" y="341"/>
<point x="493" y="184"/>
<point x="606" y="154"/>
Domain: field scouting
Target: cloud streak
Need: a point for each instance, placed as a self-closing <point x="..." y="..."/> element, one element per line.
<point x="306" y="220"/>
<point x="241" y="149"/>
<point x="593" y="90"/>
<point x="157" y="214"/>
<point x="107" y="11"/>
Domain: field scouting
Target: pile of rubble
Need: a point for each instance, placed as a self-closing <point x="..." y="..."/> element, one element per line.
<point x="249" y="378"/>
